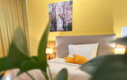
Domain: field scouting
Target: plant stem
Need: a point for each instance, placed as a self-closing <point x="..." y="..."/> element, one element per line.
<point x="45" y="75"/>
<point x="30" y="76"/>
<point x="50" y="73"/>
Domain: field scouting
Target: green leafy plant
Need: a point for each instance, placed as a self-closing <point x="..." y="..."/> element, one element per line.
<point x="109" y="67"/>
<point x="18" y="57"/>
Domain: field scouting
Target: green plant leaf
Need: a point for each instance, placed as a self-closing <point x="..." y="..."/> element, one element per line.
<point x="42" y="50"/>
<point x="1" y="75"/>
<point x="122" y="41"/>
<point x="62" y="75"/>
<point x="18" y="50"/>
<point x="29" y="65"/>
<point x="5" y="65"/>
<point x="92" y="65"/>
<point x="113" y="68"/>
<point x="20" y="42"/>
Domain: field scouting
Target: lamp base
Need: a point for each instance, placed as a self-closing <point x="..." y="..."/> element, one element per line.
<point x="49" y="57"/>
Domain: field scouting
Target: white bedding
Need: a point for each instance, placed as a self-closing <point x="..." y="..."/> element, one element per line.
<point x="86" y="50"/>
<point x="55" y="66"/>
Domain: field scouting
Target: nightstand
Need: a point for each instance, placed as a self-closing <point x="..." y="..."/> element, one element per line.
<point x="50" y="54"/>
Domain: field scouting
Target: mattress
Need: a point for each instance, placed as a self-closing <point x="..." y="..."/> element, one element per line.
<point x="74" y="73"/>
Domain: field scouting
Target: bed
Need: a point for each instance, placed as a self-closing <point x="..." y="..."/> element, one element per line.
<point x="59" y="63"/>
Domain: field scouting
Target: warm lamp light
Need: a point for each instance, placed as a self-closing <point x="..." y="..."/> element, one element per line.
<point x="49" y="50"/>
<point x="119" y="50"/>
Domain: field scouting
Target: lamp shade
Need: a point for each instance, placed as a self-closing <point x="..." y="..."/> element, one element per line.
<point x="49" y="50"/>
<point x="119" y="50"/>
<point x="119" y="46"/>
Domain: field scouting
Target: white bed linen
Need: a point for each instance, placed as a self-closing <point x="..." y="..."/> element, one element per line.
<point x="55" y="66"/>
<point x="86" y="50"/>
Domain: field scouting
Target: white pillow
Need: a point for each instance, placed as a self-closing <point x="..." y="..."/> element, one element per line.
<point x="87" y="50"/>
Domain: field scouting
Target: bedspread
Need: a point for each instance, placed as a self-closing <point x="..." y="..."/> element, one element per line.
<point x="74" y="73"/>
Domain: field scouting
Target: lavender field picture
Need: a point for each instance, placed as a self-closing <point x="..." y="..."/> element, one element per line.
<point x="60" y="16"/>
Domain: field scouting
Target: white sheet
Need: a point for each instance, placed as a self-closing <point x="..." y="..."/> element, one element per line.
<point x="55" y="66"/>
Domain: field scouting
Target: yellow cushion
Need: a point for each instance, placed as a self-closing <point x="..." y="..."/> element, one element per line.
<point x="79" y="59"/>
<point x="69" y="60"/>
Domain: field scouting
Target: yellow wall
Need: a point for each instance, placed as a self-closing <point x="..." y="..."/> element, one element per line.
<point x="89" y="17"/>
<point x="119" y="11"/>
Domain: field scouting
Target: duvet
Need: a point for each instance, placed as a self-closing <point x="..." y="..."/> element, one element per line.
<point x="74" y="73"/>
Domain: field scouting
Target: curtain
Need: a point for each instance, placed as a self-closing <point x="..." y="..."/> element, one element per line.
<point x="13" y="13"/>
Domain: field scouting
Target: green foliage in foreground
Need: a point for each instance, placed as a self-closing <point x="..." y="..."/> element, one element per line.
<point x="109" y="67"/>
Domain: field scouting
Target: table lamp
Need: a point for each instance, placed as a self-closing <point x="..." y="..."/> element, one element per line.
<point x="49" y="51"/>
<point x="120" y="49"/>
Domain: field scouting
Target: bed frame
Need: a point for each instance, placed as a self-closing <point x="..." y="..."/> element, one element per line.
<point x="105" y="46"/>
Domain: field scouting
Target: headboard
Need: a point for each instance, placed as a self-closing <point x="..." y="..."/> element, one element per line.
<point x="104" y="48"/>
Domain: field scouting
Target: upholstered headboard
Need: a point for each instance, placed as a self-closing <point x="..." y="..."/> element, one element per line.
<point x="104" y="48"/>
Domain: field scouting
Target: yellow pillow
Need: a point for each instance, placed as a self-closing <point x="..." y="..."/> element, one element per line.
<point x="69" y="60"/>
<point x="79" y="59"/>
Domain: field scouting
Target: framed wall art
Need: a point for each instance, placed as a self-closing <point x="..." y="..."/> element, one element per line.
<point x="60" y="16"/>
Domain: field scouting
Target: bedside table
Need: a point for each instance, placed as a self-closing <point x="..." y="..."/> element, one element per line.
<point x="50" y="53"/>
<point x="51" y="56"/>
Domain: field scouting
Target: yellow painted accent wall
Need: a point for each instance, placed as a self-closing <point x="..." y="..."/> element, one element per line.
<point x="119" y="11"/>
<point x="89" y="17"/>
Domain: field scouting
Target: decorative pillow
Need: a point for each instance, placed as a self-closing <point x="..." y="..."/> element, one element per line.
<point x="86" y="50"/>
<point x="79" y="59"/>
<point x="69" y="60"/>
